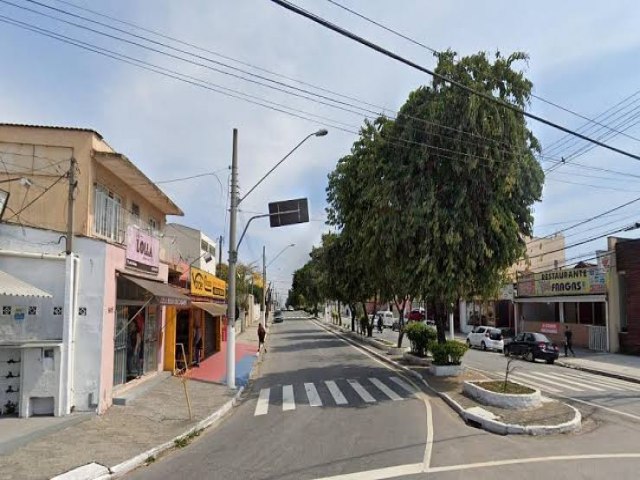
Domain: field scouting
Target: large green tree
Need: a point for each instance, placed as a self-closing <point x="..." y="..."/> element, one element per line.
<point x="465" y="177"/>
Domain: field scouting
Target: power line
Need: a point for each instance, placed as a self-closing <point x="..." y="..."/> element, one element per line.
<point x="346" y="33"/>
<point x="206" y="85"/>
<point x="432" y="50"/>
<point x="341" y="105"/>
<point x="15" y="214"/>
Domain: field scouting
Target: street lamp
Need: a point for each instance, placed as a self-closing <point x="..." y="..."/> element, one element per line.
<point x="236" y="200"/>
<point x="280" y="253"/>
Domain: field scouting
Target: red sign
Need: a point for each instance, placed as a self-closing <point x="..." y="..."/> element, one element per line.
<point x="549" y="328"/>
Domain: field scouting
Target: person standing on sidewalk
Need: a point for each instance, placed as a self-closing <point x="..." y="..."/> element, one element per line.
<point x="197" y="340"/>
<point x="261" y="334"/>
<point x="568" y="342"/>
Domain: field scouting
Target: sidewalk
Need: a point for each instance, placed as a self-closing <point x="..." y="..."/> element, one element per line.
<point x="625" y="367"/>
<point x="155" y="413"/>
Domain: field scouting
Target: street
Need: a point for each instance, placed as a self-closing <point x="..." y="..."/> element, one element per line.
<point x="322" y="408"/>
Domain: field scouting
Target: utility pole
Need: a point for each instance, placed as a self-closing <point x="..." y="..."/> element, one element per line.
<point x="220" y="250"/>
<point x="263" y="308"/>
<point x="233" y="258"/>
<point x="72" y="189"/>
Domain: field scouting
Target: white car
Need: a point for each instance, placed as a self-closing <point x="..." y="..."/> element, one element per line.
<point x="387" y="318"/>
<point x="487" y="338"/>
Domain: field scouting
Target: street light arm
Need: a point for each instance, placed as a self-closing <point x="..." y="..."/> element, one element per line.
<point x="319" y="133"/>
<point x="281" y="252"/>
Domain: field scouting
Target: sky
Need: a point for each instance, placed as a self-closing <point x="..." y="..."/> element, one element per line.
<point x="581" y="57"/>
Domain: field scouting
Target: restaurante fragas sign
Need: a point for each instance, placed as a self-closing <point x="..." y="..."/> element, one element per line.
<point x="578" y="281"/>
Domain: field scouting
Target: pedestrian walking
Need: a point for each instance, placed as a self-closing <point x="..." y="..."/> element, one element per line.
<point x="261" y="334"/>
<point x="380" y="324"/>
<point x="568" y="342"/>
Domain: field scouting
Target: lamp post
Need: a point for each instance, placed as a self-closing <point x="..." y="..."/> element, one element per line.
<point x="233" y="247"/>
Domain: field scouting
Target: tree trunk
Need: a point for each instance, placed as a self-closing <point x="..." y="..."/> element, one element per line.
<point x="339" y="319"/>
<point x="400" y="320"/>
<point x="353" y="317"/>
<point x="440" y="322"/>
<point x="373" y="317"/>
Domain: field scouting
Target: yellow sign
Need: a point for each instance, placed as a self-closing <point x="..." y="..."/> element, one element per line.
<point x="577" y="281"/>
<point x="205" y="284"/>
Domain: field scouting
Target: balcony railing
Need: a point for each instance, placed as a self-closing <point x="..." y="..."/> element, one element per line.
<point x="111" y="219"/>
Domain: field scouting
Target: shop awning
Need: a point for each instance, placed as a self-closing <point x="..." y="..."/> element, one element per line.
<point x="564" y="299"/>
<point x="14" y="287"/>
<point x="215" y="309"/>
<point x="164" y="293"/>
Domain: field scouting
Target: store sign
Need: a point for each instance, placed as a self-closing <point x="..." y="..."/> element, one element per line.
<point x="578" y="281"/>
<point x="171" y="301"/>
<point x="549" y="328"/>
<point x="143" y="250"/>
<point x="507" y="292"/>
<point x="205" y="284"/>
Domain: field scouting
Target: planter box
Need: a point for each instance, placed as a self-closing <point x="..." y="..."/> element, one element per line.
<point x="445" y="370"/>
<point x="502" y="400"/>
<point x="412" y="359"/>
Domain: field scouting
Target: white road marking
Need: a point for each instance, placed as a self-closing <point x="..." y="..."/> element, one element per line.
<point x="544" y="381"/>
<point x="612" y="383"/>
<point x="427" y="405"/>
<point x="384" y="389"/>
<point x="262" y="407"/>
<point x="529" y="383"/>
<point x="380" y="473"/>
<point x="518" y="461"/>
<point x="288" y="403"/>
<point x="337" y="395"/>
<point x="565" y="379"/>
<point x="312" y="395"/>
<point x="366" y="396"/>
<point x="402" y="384"/>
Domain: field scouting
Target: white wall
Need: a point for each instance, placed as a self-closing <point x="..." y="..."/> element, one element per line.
<point x="40" y="379"/>
<point x="182" y="244"/>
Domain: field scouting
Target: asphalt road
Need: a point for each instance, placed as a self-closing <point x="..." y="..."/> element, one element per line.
<point x="278" y="433"/>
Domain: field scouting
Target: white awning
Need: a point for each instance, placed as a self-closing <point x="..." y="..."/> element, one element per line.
<point x="14" y="287"/>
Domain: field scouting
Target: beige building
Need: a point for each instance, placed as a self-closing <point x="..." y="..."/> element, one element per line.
<point x="543" y="253"/>
<point x="112" y="192"/>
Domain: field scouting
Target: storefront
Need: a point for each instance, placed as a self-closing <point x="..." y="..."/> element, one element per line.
<point x="194" y="332"/>
<point x="139" y="332"/>
<point x="551" y="302"/>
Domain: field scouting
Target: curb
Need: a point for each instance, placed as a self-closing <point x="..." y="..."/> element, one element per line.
<point x="95" y="471"/>
<point x="84" y="472"/>
<point x="602" y="373"/>
<point x="486" y="424"/>
<point x="502" y="428"/>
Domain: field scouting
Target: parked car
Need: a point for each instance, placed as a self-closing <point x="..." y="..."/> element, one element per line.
<point x="417" y="314"/>
<point x="290" y="308"/>
<point x="532" y="345"/>
<point x="387" y="318"/>
<point x="487" y="338"/>
<point x="278" y="316"/>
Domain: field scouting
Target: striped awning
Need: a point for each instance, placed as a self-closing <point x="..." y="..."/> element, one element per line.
<point x="14" y="287"/>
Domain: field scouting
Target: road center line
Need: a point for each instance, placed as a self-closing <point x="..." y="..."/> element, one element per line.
<point x="380" y="473"/>
<point x="519" y="461"/>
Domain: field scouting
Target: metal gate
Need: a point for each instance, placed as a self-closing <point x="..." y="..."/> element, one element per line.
<point x="597" y="338"/>
<point x="120" y="346"/>
<point x="151" y="340"/>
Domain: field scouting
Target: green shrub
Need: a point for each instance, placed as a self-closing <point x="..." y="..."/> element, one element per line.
<point x="448" y="353"/>
<point x="420" y="335"/>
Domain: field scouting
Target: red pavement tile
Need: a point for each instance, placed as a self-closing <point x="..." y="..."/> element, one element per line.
<point x="214" y="368"/>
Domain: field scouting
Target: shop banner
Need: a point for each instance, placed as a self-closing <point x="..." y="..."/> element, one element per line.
<point x="549" y="328"/>
<point x="578" y="281"/>
<point x="143" y="250"/>
<point x="205" y="284"/>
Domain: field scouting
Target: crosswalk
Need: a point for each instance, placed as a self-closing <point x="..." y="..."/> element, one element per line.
<point x="571" y="383"/>
<point x="338" y="392"/>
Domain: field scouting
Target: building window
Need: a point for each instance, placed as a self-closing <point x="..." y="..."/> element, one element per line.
<point x="204" y="246"/>
<point x="135" y="209"/>
<point x="82" y="311"/>
<point x="108" y="217"/>
<point x="212" y="250"/>
<point x="153" y="224"/>
<point x="57" y="310"/>
<point x="32" y="310"/>
<point x="6" y="310"/>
